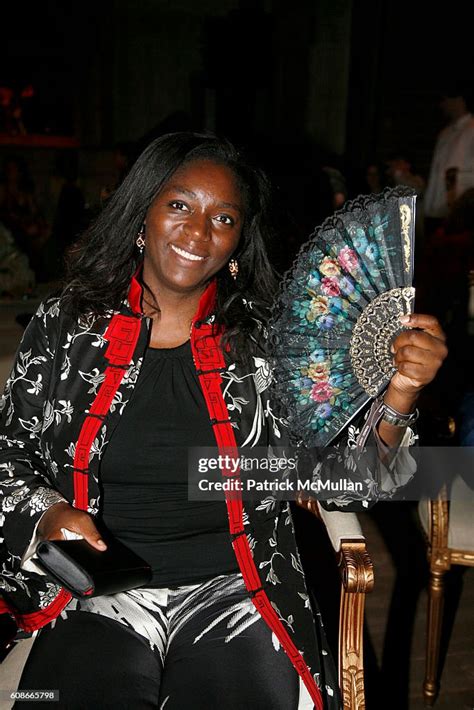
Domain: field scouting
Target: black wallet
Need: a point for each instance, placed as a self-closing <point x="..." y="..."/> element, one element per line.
<point x="87" y="572"/>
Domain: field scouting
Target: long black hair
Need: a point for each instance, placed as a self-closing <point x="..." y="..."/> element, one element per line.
<point x="101" y="264"/>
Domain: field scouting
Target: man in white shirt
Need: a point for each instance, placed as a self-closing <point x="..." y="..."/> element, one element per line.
<point x="452" y="166"/>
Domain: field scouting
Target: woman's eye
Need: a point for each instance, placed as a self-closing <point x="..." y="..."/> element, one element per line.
<point x="225" y="219"/>
<point x="178" y="205"/>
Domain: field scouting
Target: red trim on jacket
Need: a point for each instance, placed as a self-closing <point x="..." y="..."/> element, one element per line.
<point x="135" y="292"/>
<point x="122" y="334"/>
<point x="206" y="302"/>
<point x="37" y="619"/>
<point x="209" y="359"/>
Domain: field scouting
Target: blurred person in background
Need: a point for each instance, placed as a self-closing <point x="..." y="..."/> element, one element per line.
<point x="20" y="212"/>
<point x="452" y="165"/>
<point x="16" y="278"/>
<point x="399" y="172"/>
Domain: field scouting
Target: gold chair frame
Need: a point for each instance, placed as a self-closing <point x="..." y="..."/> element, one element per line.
<point x="440" y="558"/>
<point x="357" y="580"/>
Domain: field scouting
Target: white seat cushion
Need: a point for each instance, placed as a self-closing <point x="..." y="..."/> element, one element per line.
<point x="423" y="512"/>
<point x="12" y="668"/>
<point x="341" y="526"/>
<point x="461" y="516"/>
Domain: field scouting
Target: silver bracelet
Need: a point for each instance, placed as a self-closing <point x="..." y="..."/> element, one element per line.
<point x="395" y="418"/>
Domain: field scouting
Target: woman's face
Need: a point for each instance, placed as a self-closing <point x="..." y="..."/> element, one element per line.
<point x="192" y="227"/>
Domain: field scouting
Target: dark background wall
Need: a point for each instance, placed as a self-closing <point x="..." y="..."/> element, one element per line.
<point x="402" y="55"/>
<point x="356" y="79"/>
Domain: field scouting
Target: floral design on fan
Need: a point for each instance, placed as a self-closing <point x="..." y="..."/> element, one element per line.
<point x="372" y="252"/>
<point x="360" y="240"/>
<point x="329" y="267"/>
<point x="312" y="309"/>
<point x="333" y="285"/>
<point x="330" y="286"/>
<point x="322" y="391"/>
<point x="325" y="382"/>
<point x="318" y="371"/>
<point x="348" y="259"/>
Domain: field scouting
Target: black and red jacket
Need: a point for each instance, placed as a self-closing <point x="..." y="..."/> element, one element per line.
<point x="69" y="385"/>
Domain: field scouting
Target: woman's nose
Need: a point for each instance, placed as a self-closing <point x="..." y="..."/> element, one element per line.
<point x="197" y="227"/>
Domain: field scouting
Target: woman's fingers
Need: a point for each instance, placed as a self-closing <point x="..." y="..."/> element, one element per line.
<point x="410" y="353"/>
<point x="420" y="339"/>
<point x="425" y="322"/>
<point x="418" y="372"/>
<point x="90" y="533"/>
<point x="63" y="515"/>
<point x="424" y="342"/>
<point x="418" y="353"/>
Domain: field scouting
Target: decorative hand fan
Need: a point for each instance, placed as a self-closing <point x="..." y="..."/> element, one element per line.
<point x="338" y="312"/>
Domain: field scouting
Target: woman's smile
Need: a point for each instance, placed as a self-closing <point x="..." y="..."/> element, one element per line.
<point x="186" y="254"/>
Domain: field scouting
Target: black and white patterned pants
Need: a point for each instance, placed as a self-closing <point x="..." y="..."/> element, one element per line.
<point x="199" y="647"/>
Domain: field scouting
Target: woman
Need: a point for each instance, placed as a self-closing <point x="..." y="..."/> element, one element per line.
<point x="152" y="348"/>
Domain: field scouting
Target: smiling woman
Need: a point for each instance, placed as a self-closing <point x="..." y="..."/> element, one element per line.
<point x="192" y="228"/>
<point x="157" y="345"/>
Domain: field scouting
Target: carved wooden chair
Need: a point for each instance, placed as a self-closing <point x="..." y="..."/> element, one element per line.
<point x="449" y="530"/>
<point x="357" y="579"/>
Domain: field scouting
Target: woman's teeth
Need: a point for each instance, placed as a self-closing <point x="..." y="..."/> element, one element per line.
<point x="186" y="254"/>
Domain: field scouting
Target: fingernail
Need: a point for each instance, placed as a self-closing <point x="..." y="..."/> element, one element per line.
<point x="101" y="543"/>
<point x="392" y="349"/>
<point x="405" y="319"/>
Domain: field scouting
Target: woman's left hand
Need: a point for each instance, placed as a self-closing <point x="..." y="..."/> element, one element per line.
<point x="418" y="355"/>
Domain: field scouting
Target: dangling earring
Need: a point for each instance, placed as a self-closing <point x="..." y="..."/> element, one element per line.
<point x="140" y="241"/>
<point x="234" y="268"/>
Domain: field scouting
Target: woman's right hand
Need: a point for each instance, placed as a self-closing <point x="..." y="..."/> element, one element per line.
<point x="63" y="515"/>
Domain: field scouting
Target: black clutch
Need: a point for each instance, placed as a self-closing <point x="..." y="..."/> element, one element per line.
<point x="87" y="572"/>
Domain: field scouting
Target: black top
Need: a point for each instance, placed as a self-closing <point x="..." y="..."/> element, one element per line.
<point x="144" y="475"/>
